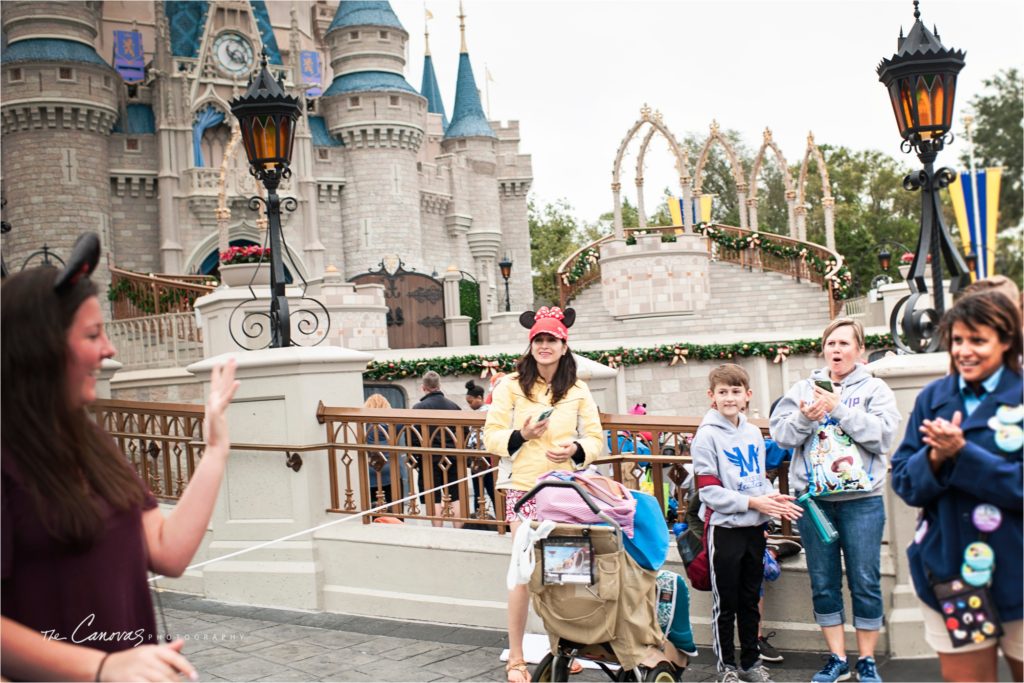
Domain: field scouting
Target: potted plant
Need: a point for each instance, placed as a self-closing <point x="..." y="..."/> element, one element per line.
<point x="907" y="260"/>
<point x="241" y="266"/>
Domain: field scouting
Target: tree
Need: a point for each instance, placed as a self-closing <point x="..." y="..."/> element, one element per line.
<point x="554" y="235"/>
<point x="998" y="134"/>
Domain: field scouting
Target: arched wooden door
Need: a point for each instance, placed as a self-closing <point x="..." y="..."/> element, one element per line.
<point x="415" y="306"/>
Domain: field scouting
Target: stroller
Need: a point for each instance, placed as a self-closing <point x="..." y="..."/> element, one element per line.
<point x="597" y="603"/>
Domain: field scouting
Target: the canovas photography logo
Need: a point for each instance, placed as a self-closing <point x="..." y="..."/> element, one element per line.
<point x="85" y="632"/>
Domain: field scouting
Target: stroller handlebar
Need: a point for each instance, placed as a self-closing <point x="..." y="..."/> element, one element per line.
<point x="567" y="485"/>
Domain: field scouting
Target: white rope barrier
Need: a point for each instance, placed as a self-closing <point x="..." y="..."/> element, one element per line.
<point x="310" y="530"/>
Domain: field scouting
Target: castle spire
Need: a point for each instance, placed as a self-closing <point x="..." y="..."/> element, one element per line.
<point x="462" y="28"/>
<point x="429" y="87"/>
<point x="468" y="119"/>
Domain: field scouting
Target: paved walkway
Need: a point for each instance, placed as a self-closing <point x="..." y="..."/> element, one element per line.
<point x="229" y="642"/>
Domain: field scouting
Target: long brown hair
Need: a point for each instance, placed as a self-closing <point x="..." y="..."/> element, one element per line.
<point x="62" y="457"/>
<point x="561" y="383"/>
<point x="993" y="309"/>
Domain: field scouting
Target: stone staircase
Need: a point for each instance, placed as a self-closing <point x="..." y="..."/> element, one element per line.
<point x="741" y="301"/>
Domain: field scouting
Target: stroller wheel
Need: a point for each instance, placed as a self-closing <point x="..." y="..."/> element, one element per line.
<point x="552" y="668"/>
<point x="662" y="673"/>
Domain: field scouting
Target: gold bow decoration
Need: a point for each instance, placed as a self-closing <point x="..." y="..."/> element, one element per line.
<point x="679" y="354"/>
<point x="490" y="367"/>
<point x="614" y="361"/>
<point x="781" y="354"/>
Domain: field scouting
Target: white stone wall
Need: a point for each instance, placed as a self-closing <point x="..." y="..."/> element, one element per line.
<point x="653" y="277"/>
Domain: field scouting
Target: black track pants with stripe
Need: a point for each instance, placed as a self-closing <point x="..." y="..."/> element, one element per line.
<point x="737" y="570"/>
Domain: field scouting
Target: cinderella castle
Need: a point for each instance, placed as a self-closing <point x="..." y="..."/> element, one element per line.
<point x="116" y="119"/>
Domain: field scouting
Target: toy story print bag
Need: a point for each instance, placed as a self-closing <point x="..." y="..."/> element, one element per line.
<point x="834" y="463"/>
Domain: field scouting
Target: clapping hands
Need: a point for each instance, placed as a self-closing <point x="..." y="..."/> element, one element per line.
<point x="777" y="505"/>
<point x="945" y="438"/>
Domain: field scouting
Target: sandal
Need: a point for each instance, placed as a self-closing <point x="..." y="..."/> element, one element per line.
<point x="519" y="666"/>
<point x="575" y="667"/>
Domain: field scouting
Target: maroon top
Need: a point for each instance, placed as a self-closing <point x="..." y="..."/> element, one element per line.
<point x="98" y="598"/>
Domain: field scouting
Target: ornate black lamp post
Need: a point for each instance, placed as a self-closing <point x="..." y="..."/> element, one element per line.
<point x="266" y="115"/>
<point x="921" y="79"/>
<point x="506" y="272"/>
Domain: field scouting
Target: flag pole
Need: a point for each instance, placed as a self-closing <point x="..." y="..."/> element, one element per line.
<point x="981" y="268"/>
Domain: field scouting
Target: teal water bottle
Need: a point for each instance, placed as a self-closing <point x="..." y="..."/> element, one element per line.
<point x="826" y="531"/>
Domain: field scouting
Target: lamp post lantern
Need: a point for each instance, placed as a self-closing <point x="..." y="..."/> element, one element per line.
<point x="266" y="117"/>
<point x="506" y="272"/>
<point x="921" y="80"/>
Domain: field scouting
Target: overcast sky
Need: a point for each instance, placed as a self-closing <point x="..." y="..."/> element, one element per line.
<point x="576" y="73"/>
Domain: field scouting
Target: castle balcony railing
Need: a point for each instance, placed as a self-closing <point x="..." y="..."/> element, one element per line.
<point x="168" y="340"/>
<point x="753" y="250"/>
<point x="424" y="448"/>
<point x="134" y="295"/>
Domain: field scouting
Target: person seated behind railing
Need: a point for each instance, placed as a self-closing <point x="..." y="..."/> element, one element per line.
<point x="80" y="529"/>
<point x="434" y="399"/>
<point x="377" y="434"/>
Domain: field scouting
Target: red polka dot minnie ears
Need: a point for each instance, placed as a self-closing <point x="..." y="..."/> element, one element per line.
<point x="84" y="257"/>
<point x="553" y="321"/>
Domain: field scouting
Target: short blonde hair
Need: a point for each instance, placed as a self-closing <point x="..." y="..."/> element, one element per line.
<point x="376" y="401"/>
<point x="858" y="330"/>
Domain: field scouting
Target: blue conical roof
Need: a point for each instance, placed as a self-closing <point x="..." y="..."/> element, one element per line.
<point x="364" y="13"/>
<point x="468" y="118"/>
<point x="432" y="92"/>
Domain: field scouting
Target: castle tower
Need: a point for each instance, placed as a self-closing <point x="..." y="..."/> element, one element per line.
<point x="59" y="104"/>
<point x="380" y="119"/>
<point x="475" y="207"/>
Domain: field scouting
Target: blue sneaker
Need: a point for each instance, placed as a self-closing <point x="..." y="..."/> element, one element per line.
<point x="835" y="669"/>
<point x="867" y="671"/>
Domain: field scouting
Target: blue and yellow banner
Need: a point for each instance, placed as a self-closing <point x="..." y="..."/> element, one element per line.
<point x="675" y="209"/>
<point x="310" y="65"/>
<point x="976" y="209"/>
<point x="129" y="60"/>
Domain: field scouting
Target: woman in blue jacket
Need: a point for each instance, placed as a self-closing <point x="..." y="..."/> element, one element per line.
<point x="960" y="462"/>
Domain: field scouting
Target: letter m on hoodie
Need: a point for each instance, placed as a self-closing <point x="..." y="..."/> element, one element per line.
<point x="748" y="464"/>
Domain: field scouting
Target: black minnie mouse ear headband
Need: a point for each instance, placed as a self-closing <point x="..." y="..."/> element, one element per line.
<point x="553" y="321"/>
<point x="85" y="255"/>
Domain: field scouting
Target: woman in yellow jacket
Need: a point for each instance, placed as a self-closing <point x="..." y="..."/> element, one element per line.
<point x="569" y="437"/>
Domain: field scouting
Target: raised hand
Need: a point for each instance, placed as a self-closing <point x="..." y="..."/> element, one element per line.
<point x="222" y="389"/>
<point x="149" y="663"/>
<point x="945" y="438"/>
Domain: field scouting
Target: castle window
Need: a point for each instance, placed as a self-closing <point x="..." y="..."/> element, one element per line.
<point x="393" y="101"/>
<point x="323" y="154"/>
<point x="353" y="35"/>
<point x="65" y="73"/>
<point x="15" y="76"/>
<point x="383" y="35"/>
<point x="131" y="145"/>
<point x="353" y="103"/>
<point x="107" y="82"/>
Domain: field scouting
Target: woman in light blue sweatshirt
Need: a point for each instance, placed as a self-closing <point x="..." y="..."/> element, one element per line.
<point x="841" y="423"/>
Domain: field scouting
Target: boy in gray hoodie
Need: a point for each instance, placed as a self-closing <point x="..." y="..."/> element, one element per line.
<point x="728" y="462"/>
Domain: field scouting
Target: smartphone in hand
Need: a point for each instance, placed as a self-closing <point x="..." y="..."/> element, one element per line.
<point x="824" y="384"/>
<point x="545" y="415"/>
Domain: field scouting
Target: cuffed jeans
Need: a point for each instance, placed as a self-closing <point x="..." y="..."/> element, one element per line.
<point x="859" y="523"/>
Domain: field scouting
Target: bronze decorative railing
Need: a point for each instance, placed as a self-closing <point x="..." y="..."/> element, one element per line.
<point x="768" y="252"/>
<point x="134" y="295"/>
<point x="163" y="441"/>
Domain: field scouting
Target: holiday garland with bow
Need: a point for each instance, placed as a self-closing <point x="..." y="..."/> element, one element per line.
<point x="776" y="351"/>
<point x="842" y="279"/>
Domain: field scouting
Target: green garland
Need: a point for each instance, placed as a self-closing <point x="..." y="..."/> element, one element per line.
<point x="582" y="265"/>
<point x="842" y="280"/>
<point x="142" y="299"/>
<point x="670" y="353"/>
